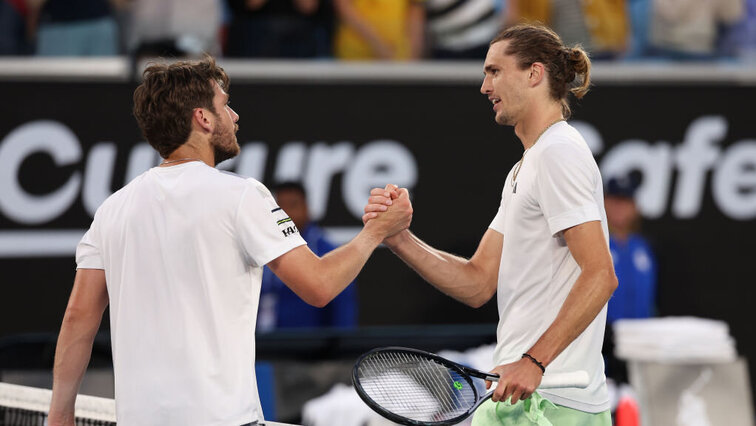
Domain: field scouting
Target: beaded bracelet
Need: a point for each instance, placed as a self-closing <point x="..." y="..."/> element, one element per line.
<point x="535" y="361"/>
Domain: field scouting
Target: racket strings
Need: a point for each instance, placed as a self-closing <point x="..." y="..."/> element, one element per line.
<point x="397" y="389"/>
<point x="441" y="378"/>
<point x="430" y="377"/>
<point x="415" y="387"/>
<point x="388" y="386"/>
<point x="436" y="380"/>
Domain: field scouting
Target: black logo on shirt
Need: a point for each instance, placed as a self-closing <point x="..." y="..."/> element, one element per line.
<point x="289" y="231"/>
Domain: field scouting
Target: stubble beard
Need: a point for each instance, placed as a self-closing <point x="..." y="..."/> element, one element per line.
<point x="504" y="119"/>
<point x="224" y="145"/>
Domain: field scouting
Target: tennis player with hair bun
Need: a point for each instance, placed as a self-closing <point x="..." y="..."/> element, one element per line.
<point x="545" y="254"/>
<point x="178" y="255"/>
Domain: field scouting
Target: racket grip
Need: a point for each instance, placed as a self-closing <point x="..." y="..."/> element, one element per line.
<point x="573" y="379"/>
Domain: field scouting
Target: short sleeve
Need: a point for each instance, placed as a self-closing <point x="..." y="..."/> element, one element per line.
<point x="566" y="183"/>
<point x="497" y="224"/>
<point x="263" y="229"/>
<point x="88" y="254"/>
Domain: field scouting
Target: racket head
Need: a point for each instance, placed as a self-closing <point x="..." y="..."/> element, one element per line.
<point x="414" y="387"/>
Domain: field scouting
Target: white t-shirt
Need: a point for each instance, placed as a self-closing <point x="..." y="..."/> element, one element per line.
<point x="183" y="248"/>
<point x="558" y="186"/>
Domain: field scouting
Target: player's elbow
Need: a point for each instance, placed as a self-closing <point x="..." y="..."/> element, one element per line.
<point x="475" y="303"/>
<point x="72" y="315"/>
<point x="609" y="279"/>
<point x="312" y="289"/>
<point x="318" y="295"/>
<point x="81" y="317"/>
<point x="613" y="281"/>
<point x="478" y="300"/>
<point x="480" y="297"/>
<point x="319" y="300"/>
<point x="482" y="288"/>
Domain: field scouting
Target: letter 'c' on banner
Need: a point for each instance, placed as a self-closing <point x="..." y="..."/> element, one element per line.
<point x="49" y="137"/>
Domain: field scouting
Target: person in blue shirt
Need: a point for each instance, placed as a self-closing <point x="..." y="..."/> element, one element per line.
<point x="634" y="261"/>
<point x="634" y="264"/>
<point x="279" y="306"/>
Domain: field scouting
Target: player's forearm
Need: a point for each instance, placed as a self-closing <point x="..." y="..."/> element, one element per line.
<point x="453" y="275"/>
<point x="72" y="354"/>
<point x="338" y="268"/>
<point x="588" y="296"/>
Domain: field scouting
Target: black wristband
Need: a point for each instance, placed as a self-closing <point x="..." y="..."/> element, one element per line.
<point x="535" y="361"/>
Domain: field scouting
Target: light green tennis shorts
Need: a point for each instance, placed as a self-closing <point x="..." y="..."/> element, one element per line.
<point x="536" y="411"/>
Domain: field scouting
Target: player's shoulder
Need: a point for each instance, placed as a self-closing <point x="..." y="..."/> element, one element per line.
<point x="213" y="178"/>
<point x="233" y="179"/>
<point x="115" y="199"/>
<point x="564" y="141"/>
<point x="245" y="183"/>
<point x="241" y="187"/>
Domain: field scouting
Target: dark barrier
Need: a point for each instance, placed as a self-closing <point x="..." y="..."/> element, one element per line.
<point x="65" y="146"/>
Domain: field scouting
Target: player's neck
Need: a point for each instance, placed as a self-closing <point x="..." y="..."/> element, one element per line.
<point x="533" y="125"/>
<point x="193" y="150"/>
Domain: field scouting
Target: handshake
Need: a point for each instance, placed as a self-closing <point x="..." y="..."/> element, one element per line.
<point x="388" y="212"/>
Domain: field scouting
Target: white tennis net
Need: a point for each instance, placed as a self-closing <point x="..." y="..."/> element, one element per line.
<point x="27" y="406"/>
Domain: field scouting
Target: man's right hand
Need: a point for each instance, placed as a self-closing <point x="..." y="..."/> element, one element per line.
<point x="389" y="211"/>
<point x="379" y="202"/>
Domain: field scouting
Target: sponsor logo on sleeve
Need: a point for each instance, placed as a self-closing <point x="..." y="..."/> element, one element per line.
<point x="285" y="224"/>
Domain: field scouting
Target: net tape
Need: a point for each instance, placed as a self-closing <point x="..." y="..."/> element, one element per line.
<point x="23" y="405"/>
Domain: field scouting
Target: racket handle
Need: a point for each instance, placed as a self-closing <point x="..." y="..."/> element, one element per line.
<point x="573" y="379"/>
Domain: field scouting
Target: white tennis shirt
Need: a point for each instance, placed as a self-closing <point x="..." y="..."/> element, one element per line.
<point x="183" y="248"/>
<point x="558" y="186"/>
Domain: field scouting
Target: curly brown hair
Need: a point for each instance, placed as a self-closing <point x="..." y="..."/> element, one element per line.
<point x="568" y="68"/>
<point x="167" y="97"/>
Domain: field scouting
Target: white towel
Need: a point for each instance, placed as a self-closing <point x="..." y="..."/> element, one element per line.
<point x="675" y="340"/>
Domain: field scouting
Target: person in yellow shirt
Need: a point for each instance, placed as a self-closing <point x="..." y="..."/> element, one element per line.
<point x="379" y="29"/>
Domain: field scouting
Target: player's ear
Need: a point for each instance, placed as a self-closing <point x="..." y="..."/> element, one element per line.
<point x="203" y="119"/>
<point x="537" y="72"/>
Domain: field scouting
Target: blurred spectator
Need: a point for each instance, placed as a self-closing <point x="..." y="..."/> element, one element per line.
<point x="634" y="264"/>
<point x="379" y="29"/>
<point x="639" y="14"/>
<point x="608" y="25"/>
<point x="688" y="29"/>
<point x="600" y="26"/>
<point x="279" y="306"/>
<point x="173" y="27"/>
<point x="280" y="28"/>
<point x="565" y="17"/>
<point x="463" y="29"/>
<point x="13" y="32"/>
<point x="739" y="41"/>
<point x="74" y="27"/>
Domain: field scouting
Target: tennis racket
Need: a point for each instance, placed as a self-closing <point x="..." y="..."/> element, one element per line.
<point x="414" y="387"/>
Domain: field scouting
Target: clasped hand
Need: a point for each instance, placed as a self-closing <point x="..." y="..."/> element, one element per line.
<point x="389" y="208"/>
